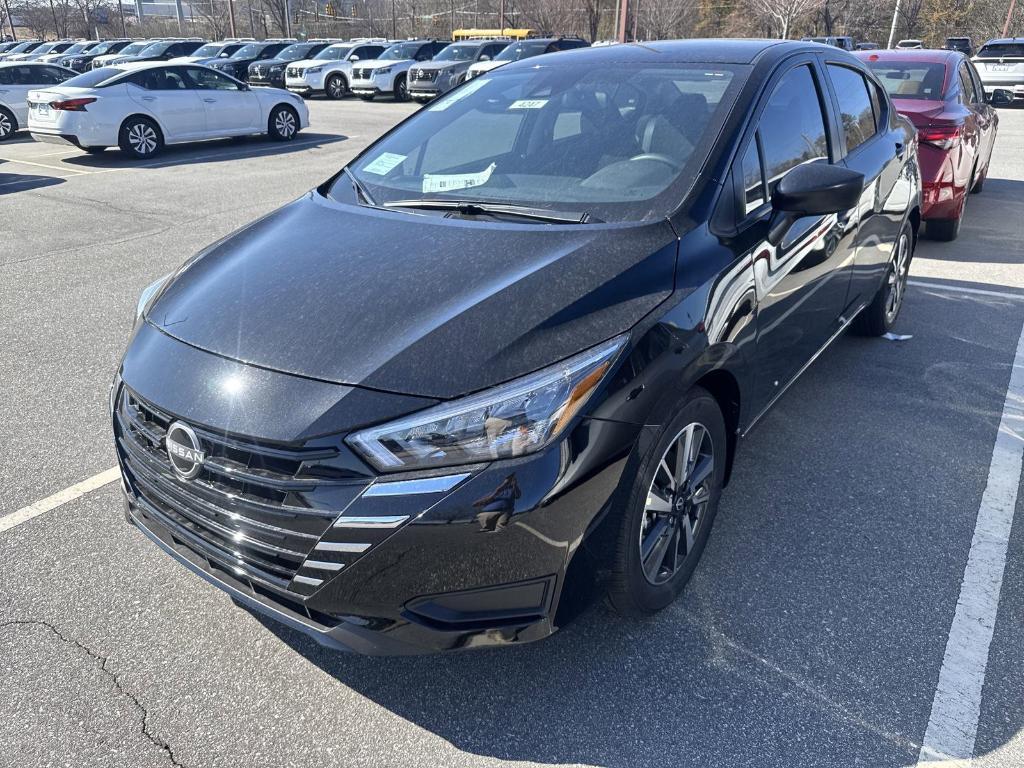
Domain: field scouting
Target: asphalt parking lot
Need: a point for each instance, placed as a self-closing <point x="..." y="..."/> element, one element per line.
<point x="816" y="631"/>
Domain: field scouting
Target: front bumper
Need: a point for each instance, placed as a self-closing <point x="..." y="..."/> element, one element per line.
<point x="424" y="93"/>
<point x="481" y="560"/>
<point x="266" y="82"/>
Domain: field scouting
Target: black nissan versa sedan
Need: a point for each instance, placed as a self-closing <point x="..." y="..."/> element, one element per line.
<point x="504" y="358"/>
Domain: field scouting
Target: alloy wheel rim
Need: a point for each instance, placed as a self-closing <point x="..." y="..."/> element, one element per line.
<point x="402" y="90"/>
<point x="142" y="138"/>
<point x="336" y="87"/>
<point x="285" y="123"/>
<point x="898" y="277"/>
<point x="677" y="503"/>
<point x="5" y="126"/>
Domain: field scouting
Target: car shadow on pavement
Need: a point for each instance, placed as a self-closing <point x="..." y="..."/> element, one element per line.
<point x="10" y="183"/>
<point x="985" y="222"/>
<point x="219" y="150"/>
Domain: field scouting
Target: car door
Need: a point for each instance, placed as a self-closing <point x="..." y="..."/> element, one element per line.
<point x="802" y="283"/>
<point x="230" y="107"/>
<point x="984" y="114"/>
<point x="164" y="92"/>
<point x="869" y="144"/>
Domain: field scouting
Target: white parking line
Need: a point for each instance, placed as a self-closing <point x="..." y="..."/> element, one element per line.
<point x="62" y="169"/>
<point x="61" y="497"/>
<point x="958" y="289"/>
<point x="956" y="707"/>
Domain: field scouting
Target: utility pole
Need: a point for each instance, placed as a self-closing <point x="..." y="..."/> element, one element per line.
<point x="1009" y="15"/>
<point x="231" y="17"/>
<point x="138" y="10"/>
<point x="501" y="18"/>
<point x="623" y="16"/>
<point x="892" y="29"/>
<point x="10" y="20"/>
<point x="180" y="11"/>
<point x="124" y="27"/>
<point x="287" y="18"/>
<point x="394" y="21"/>
<point x="636" y="21"/>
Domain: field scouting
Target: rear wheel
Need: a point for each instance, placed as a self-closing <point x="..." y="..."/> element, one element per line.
<point x="979" y="183"/>
<point x="283" y="124"/>
<point x="880" y="315"/>
<point x="401" y="89"/>
<point x="8" y="123"/>
<point x="95" y="150"/>
<point x="336" y="87"/>
<point x="670" y="509"/>
<point x="140" y="138"/>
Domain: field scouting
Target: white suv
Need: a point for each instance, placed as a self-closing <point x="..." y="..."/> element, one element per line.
<point x="330" y="70"/>
<point x="389" y="73"/>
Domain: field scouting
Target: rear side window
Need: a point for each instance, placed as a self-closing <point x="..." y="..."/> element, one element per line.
<point x="792" y="126"/>
<point x="970" y="96"/>
<point x="94" y="78"/>
<point x="854" y="105"/>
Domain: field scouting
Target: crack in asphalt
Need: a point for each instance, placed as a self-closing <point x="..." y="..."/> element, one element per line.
<point x="102" y="660"/>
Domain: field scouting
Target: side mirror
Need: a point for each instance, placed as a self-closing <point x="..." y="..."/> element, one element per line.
<point x="485" y="57"/>
<point x="1000" y="97"/>
<point x="812" y="189"/>
<point x="353" y="57"/>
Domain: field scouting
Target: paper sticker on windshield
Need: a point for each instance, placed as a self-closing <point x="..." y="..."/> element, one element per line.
<point x="447" y="182"/>
<point x="383" y="164"/>
<point x="458" y="94"/>
<point x="528" y="104"/>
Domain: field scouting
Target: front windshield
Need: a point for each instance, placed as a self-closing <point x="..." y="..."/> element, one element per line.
<point x="518" y="51"/>
<point x="207" y="51"/>
<point x="333" y="53"/>
<point x="45" y="47"/>
<point x="998" y="50"/>
<point x="155" y="49"/>
<point x="910" y="79"/>
<point x="134" y="48"/>
<point x="458" y="52"/>
<point x="400" y="52"/>
<point x="20" y="48"/>
<point x="249" y="51"/>
<point x="622" y="142"/>
<point x="295" y="52"/>
<point x="77" y="48"/>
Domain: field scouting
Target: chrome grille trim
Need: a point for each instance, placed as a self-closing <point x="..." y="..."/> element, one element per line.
<point x="323" y="565"/>
<point x="421" y="485"/>
<point x="340" y="546"/>
<point x="381" y="521"/>
<point x="309" y="581"/>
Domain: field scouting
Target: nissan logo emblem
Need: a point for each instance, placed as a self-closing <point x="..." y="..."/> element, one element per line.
<point x="183" y="450"/>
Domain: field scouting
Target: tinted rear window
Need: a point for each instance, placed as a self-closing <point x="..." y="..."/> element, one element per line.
<point x="996" y="50"/>
<point x="94" y="77"/>
<point x="910" y="79"/>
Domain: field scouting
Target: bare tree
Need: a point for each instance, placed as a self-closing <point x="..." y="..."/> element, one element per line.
<point x="782" y="14"/>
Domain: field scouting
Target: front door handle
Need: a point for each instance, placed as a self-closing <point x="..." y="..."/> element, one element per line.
<point x="900" y="148"/>
<point x="210" y="101"/>
<point x="149" y="98"/>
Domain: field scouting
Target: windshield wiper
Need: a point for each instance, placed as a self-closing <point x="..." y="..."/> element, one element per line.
<point x="361" y="192"/>
<point x="471" y="208"/>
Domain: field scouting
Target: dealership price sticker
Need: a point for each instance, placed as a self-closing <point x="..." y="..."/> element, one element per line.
<point x="382" y="165"/>
<point x="528" y="104"/>
<point x="445" y="182"/>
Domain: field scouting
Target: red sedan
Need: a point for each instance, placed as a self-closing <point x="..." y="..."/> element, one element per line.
<point x="941" y="94"/>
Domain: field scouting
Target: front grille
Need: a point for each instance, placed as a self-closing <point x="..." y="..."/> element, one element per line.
<point x="248" y="509"/>
<point x="364" y="73"/>
<point x="294" y="72"/>
<point x="424" y="75"/>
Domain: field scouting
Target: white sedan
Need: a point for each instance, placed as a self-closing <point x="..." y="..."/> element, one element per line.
<point x="17" y="78"/>
<point x="142" y="106"/>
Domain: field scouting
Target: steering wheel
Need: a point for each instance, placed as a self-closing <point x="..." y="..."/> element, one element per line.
<point x="659" y="158"/>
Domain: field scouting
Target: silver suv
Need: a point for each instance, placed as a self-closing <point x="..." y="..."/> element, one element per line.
<point x="448" y="69"/>
<point x="1000" y="63"/>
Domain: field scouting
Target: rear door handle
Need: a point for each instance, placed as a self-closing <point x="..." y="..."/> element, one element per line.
<point x="210" y="101"/>
<point x="900" y="147"/>
<point x="149" y="98"/>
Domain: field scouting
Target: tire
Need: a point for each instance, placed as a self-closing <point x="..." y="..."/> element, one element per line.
<point x="336" y="87"/>
<point x="401" y="90"/>
<point x="95" y="150"/>
<point x="367" y="96"/>
<point x="880" y="315"/>
<point x="943" y="230"/>
<point x="979" y="184"/>
<point x="140" y="138"/>
<point x="8" y="124"/>
<point x="670" y="529"/>
<point x="283" y="124"/>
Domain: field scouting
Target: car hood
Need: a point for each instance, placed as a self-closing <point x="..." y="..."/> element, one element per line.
<point x="414" y="304"/>
<point x="273" y="62"/>
<point x="440" y="66"/>
<point x="378" y="63"/>
<point x="486" y="66"/>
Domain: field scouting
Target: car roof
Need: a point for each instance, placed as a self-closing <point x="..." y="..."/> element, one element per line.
<point x="933" y="55"/>
<point x="999" y="40"/>
<point x="709" y="51"/>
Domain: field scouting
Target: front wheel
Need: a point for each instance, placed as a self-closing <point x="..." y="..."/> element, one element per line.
<point x="283" y="124"/>
<point x="336" y="87"/>
<point x="880" y="315"/>
<point x="401" y="89"/>
<point x="670" y="509"/>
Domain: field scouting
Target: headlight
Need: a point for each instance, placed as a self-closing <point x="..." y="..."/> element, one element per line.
<point x="509" y="420"/>
<point x="148" y="294"/>
<point x="381" y="71"/>
<point x="312" y="70"/>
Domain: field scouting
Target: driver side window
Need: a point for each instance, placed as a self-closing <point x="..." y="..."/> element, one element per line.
<point x="792" y="126"/>
<point x="208" y="80"/>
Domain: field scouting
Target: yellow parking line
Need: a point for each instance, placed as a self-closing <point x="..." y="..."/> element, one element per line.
<point x="50" y="167"/>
